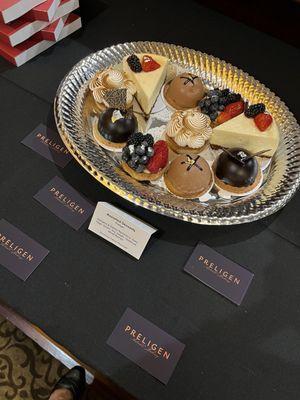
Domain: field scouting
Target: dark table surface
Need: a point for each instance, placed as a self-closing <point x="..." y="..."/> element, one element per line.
<point x="80" y="291"/>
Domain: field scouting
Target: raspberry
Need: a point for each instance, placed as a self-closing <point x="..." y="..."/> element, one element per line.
<point x="148" y="64"/>
<point x="160" y="157"/>
<point x="263" y="121"/>
<point x="235" y="109"/>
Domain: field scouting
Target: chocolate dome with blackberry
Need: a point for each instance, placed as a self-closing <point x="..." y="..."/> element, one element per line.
<point x="184" y="91"/>
<point x="237" y="170"/>
<point x="116" y="126"/>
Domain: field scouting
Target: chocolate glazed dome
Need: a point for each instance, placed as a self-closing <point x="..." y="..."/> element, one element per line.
<point x="116" y="125"/>
<point x="237" y="167"/>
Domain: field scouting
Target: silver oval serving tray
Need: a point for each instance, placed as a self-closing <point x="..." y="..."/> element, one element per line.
<point x="73" y="111"/>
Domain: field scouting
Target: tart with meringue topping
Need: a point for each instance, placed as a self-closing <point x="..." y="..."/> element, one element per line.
<point x="105" y="82"/>
<point x="188" y="132"/>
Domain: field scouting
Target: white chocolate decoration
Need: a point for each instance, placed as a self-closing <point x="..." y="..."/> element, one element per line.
<point x="189" y="128"/>
<point x="111" y="79"/>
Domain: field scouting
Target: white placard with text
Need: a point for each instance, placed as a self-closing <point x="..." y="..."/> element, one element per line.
<point x="121" y="229"/>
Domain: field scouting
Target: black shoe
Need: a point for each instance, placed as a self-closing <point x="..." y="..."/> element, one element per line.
<point x="73" y="380"/>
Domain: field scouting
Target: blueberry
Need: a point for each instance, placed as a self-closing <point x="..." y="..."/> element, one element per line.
<point x="150" y="151"/>
<point x="214" y="99"/>
<point x="214" y="107"/>
<point x="132" y="164"/>
<point x="140" y="150"/>
<point x="207" y="103"/>
<point x="144" y="143"/>
<point x="135" y="158"/>
<point x="213" y="116"/>
<point x="140" y="168"/>
<point x="222" y="100"/>
<point x="204" y="110"/>
<point x="221" y="107"/>
<point x="144" y="160"/>
<point x="201" y="103"/>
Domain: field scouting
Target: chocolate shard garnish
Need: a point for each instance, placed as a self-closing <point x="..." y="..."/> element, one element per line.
<point x="188" y="79"/>
<point x="116" y="98"/>
<point x="259" y="153"/>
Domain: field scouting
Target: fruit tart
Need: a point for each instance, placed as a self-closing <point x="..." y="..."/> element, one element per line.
<point x="143" y="159"/>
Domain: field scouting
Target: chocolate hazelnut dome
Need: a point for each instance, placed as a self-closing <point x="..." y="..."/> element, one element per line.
<point x="116" y="125"/>
<point x="184" y="91"/>
<point x="188" y="176"/>
<point x="237" y="167"/>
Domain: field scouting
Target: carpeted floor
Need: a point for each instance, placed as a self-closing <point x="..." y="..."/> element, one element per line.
<point x="26" y="370"/>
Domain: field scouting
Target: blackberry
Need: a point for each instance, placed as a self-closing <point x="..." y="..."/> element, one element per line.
<point x="134" y="63"/>
<point x="135" y="139"/>
<point x="225" y="92"/>
<point x="254" y="110"/>
<point x="232" y="98"/>
<point x="149" y="139"/>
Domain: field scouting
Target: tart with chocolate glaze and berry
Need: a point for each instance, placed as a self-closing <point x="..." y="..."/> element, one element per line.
<point x="189" y="176"/>
<point x="143" y="159"/>
<point x="237" y="171"/>
<point x="148" y="73"/>
<point x="114" y="128"/>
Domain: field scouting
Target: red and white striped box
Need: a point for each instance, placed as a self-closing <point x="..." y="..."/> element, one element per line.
<point x="13" y="9"/>
<point x="23" y="28"/>
<point x="35" y="45"/>
<point x="44" y="11"/>
<point x="53" y="30"/>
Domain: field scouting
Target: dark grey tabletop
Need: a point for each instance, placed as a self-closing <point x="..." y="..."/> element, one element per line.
<point x="80" y="291"/>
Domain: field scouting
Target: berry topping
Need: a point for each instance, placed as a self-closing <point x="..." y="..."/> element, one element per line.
<point x="148" y="64"/>
<point x="232" y="98"/>
<point x="160" y="157"/>
<point x="216" y="100"/>
<point x="135" y="139"/>
<point x="254" y="110"/>
<point x="223" y="117"/>
<point x="138" y="151"/>
<point x="263" y="121"/>
<point x="149" y="139"/>
<point x="134" y="63"/>
<point x="235" y="109"/>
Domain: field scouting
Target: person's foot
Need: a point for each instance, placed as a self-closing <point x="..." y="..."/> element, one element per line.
<point x="71" y="386"/>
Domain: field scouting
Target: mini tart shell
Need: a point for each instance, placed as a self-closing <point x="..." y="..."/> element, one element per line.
<point x="188" y="196"/>
<point x="141" y="176"/>
<point x="184" y="150"/>
<point x="233" y="189"/>
<point x="106" y="144"/>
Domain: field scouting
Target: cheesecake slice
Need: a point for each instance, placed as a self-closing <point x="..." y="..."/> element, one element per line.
<point x="148" y="84"/>
<point x="242" y="132"/>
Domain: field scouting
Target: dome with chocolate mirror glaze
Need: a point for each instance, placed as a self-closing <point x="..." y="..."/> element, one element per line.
<point x="117" y="125"/>
<point x="237" y="167"/>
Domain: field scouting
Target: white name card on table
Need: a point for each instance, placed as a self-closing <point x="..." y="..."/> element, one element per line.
<point x="121" y="229"/>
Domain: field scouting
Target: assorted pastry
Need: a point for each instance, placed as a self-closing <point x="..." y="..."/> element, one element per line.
<point x="114" y="128"/>
<point x="143" y="159"/>
<point x="188" y="131"/>
<point x="237" y="171"/>
<point x="189" y="176"/>
<point x="184" y="91"/>
<point x="212" y="139"/>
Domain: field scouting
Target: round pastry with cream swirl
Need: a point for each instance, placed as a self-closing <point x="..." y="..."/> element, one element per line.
<point x="109" y="79"/>
<point x="188" y="131"/>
